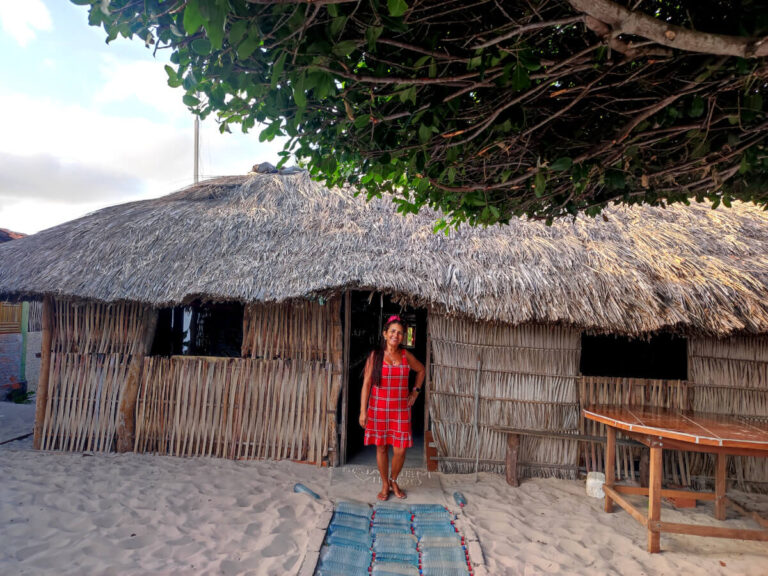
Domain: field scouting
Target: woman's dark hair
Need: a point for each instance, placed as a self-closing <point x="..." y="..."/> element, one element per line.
<point x="378" y="353"/>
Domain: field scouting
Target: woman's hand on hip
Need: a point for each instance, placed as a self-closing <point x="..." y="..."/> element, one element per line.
<point x="412" y="398"/>
<point x="363" y="419"/>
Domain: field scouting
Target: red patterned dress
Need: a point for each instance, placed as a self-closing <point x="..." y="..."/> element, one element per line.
<point x="389" y="417"/>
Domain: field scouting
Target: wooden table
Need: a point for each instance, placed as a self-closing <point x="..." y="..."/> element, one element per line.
<point x="660" y="428"/>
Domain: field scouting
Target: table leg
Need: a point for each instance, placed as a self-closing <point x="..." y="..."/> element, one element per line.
<point x="654" y="499"/>
<point x="610" y="465"/>
<point x="720" y="486"/>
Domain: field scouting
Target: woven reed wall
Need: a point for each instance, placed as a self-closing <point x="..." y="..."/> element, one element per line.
<point x="527" y="380"/>
<point x="278" y="401"/>
<point x="92" y="348"/>
<point x="35" y="323"/>
<point x="731" y="377"/>
<point x="10" y="318"/>
<point x="234" y="408"/>
<point x="594" y="390"/>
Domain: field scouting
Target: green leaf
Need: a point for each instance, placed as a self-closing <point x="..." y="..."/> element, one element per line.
<point x="425" y="133"/>
<point x="372" y="34"/>
<point x="337" y="25"/>
<point x="201" y="46"/>
<point x="697" y="107"/>
<point x="237" y="32"/>
<point x="299" y="96"/>
<point x="191" y="100"/>
<point x="362" y="121"/>
<point x="520" y="79"/>
<point x="277" y="70"/>
<point x="249" y="45"/>
<point x="753" y="102"/>
<point x="397" y="7"/>
<point x="173" y="78"/>
<point x="529" y="60"/>
<point x="539" y="183"/>
<point x="561" y="164"/>
<point x="193" y="19"/>
<point x="344" y="48"/>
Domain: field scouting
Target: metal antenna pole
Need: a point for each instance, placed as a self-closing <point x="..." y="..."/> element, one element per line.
<point x="197" y="150"/>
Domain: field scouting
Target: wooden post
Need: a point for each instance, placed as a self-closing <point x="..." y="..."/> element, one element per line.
<point x="427" y="383"/>
<point x="610" y="464"/>
<point x="720" y="481"/>
<point x="513" y="443"/>
<point x="45" y="370"/>
<point x="654" y="499"/>
<point x="126" y="424"/>
<point x="345" y="377"/>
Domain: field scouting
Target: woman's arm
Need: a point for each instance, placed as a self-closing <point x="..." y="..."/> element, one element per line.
<point x="367" y="379"/>
<point x="421" y="373"/>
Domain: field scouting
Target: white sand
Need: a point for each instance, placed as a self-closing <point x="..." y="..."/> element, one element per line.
<point x="64" y="513"/>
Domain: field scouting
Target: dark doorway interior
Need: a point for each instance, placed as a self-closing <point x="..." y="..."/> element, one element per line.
<point x="663" y="357"/>
<point x="370" y="311"/>
<point x="200" y="330"/>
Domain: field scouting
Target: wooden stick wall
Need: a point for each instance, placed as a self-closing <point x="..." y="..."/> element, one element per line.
<point x="731" y="377"/>
<point x="279" y="401"/>
<point x="92" y="347"/>
<point x="632" y="392"/>
<point x="234" y="408"/>
<point x="527" y="379"/>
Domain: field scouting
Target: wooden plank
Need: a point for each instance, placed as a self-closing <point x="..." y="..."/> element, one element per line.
<point x="126" y="423"/>
<point x="345" y="376"/>
<point x="610" y="466"/>
<point x="513" y="443"/>
<point x="720" y="482"/>
<point x="42" y="402"/>
<point x="654" y="500"/>
<point x="665" y="493"/>
<point x="625" y="504"/>
<point x="711" y="531"/>
<point x="427" y="386"/>
<point x="563" y="436"/>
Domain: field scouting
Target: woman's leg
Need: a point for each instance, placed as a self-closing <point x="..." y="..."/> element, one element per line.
<point x="382" y="461"/>
<point x="398" y="459"/>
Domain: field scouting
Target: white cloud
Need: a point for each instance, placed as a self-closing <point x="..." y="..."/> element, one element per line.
<point x="22" y="20"/>
<point x="142" y="81"/>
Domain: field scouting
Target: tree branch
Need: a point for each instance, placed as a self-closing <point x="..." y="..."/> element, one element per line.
<point x="624" y="21"/>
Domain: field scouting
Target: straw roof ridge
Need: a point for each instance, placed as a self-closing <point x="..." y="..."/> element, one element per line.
<point x="274" y="237"/>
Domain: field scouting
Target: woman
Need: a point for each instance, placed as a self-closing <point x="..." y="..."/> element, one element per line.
<point x="387" y="416"/>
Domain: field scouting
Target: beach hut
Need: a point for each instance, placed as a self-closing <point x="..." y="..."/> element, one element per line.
<point x="232" y="318"/>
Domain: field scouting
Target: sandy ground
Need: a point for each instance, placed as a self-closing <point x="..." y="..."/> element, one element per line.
<point x="66" y="513"/>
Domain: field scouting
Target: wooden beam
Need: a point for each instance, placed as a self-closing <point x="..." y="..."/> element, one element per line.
<point x="720" y="482"/>
<point x="342" y="457"/>
<point x="42" y="394"/>
<point x="427" y="385"/>
<point x="711" y="531"/>
<point x="126" y="423"/>
<point x="563" y="436"/>
<point x="666" y="493"/>
<point x="624" y="503"/>
<point x="513" y="443"/>
<point x="610" y="466"/>
<point x="654" y="500"/>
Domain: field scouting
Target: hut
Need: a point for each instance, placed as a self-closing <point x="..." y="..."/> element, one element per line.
<point x="232" y="318"/>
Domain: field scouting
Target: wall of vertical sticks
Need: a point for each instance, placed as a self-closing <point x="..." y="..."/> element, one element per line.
<point x="92" y="347"/>
<point x="525" y="377"/>
<point x="730" y="376"/>
<point x="278" y="401"/>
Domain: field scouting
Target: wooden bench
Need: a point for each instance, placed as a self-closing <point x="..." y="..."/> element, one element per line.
<point x="513" y="445"/>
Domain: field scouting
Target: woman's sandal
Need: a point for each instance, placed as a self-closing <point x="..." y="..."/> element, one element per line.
<point x="397" y="490"/>
<point x="383" y="496"/>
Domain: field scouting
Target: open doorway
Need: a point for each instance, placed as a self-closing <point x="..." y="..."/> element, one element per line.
<point x="370" y="311"/>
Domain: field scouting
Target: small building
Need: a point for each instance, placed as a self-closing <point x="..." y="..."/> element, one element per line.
<point x="232" y="319"/>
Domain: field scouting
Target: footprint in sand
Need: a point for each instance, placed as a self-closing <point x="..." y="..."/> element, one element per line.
<point x="279" y="546"/>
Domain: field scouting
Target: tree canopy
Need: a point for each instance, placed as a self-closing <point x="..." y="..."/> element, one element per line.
<point x="485" y="109"/>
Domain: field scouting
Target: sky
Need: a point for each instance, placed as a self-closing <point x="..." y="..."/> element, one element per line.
<point x="84" y="124"/>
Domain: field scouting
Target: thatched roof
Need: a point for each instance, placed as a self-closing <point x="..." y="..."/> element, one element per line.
<point x="266" y="237"/>
<point x="8" y="235"/>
